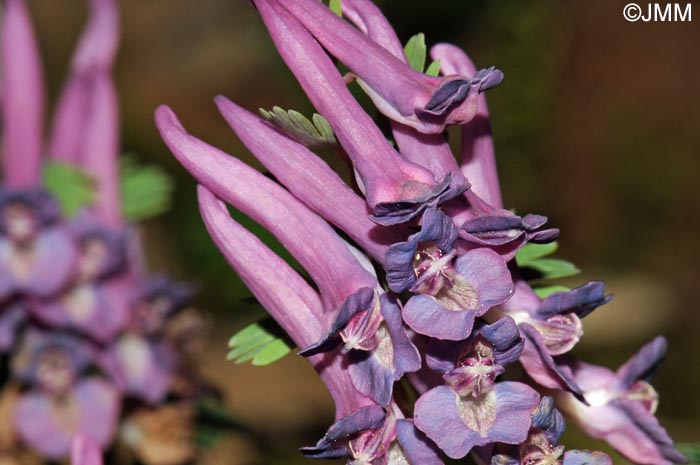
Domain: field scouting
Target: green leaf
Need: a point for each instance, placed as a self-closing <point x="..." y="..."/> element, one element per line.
<point x="72" y="187"/>
<point x="546" y="291"/>
<point x="552" y="268"/>
<point x="433" y="69"/>
<point x="316" y="134"/>
<point x="146" y="190"/>
<point x="261" y="343"/>
<point x="692" y="451"/>
<point x="416" y="51"/>
<point x="531" y="252"/>
<point x="336" y="7"/>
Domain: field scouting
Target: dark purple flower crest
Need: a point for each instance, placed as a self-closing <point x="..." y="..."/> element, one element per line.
<point x="102" y="250"/>
<point x="380" y="352"/>
<point x="159" y="300"/>
<point x="373" y="436"/>
<point x="422" y="255"/>
<point x="36" y="255"/>
<point x="415" y="198"/>
<point x="460" y="303"/>
<point x="621" y="406"/>
<point x="551" y="328"/>
<point x="505" y="232"/>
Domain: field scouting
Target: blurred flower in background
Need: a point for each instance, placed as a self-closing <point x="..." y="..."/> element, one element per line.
<point x="90" y="341"/>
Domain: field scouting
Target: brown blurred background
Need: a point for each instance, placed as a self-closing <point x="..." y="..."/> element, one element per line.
<point x="597" y="125"/>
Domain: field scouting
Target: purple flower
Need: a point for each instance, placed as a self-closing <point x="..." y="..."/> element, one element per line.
<point x="478" y="161"/>
<point x="97" y="309"/>
<point x="279" y="288"/>
<point x="37" y="255"/>
<point x="48" y="424"/>
<point x="372" y="436"/>
<point x="506" y="233"/>
<point x="102" y="249"/>
<point x="423" y="102"/>
<point x="396" y="189"/>
<point x="621" y="407"/>
<point x="472" y="409"/>
<point x="422" y="260"/>
<point x="541" y="446"/>
<point x="551" y="328"/>
<point x="160" y="299"/>
<point x="380" y="352"/>
<point x="51" y="361"/>
<point x="60" y="403"/>
<point x="140" y="366"/>
<point x="478" y="281"/>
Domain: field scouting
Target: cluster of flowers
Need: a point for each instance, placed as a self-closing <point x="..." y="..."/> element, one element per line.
<point x="428" y="294"/>
<point x="89" y="342"/>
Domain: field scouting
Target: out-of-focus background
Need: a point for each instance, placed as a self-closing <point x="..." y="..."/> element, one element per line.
<point x="597" y="125"/>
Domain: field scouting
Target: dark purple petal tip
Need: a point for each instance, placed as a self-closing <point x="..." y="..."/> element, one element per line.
<point x="487" y="78"/>
<point x="364" y="418"/>
<point x="435" y="227"/>
<point x="355" y="303"/>
<point x="582" y="300"/>
<point x="549" y="419"/>
<point x="404" y="210"/>
<point x="644" y="363"/>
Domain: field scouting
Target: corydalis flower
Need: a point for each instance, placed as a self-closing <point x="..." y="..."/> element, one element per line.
<point x="61" y="402"/>
<point x="404" y="95"/>
<point x="396" y="189"/>
<point x="372" y="436"/>
<point x="541" y="446"/>
<point x="37" y="255"/>
<point x="551" y="327"/>
<point x="472" y="409"/>
<point x="621" y="407"/>
<point x="380" y="352"/>
<point x="451" y="291"/>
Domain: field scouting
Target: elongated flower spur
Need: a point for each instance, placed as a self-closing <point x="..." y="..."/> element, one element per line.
<point x="83" y="339"/>
<point x="414" y="322"/>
